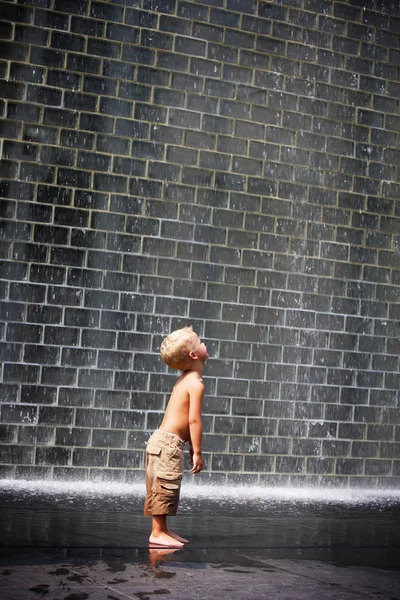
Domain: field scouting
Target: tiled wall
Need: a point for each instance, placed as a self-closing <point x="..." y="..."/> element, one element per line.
<point x="229" y="164"/>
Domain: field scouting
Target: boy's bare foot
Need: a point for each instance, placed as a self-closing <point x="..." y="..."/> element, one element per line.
<point x="163" y="540"/>
<point x="177" y="537"/>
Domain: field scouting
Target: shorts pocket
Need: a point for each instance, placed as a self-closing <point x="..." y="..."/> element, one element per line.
<point x="169" y="485"/>
<point x="169" y="476"/>
<point x="153" y="449"/>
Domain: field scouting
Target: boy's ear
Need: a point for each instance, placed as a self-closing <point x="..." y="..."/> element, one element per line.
<point x="193" y="355"/>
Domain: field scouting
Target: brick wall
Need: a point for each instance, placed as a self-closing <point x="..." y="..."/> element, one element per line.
<point x="229" y="164"/>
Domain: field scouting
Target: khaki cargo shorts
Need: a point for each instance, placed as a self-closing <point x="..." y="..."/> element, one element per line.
<point x="164" y="470"/>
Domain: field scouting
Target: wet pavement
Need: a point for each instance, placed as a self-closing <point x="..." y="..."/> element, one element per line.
<point x="89" y="541"/>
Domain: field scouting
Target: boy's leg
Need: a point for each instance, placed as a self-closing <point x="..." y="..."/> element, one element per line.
<point x="160" y="535"/>
<point x="163" y="498"/>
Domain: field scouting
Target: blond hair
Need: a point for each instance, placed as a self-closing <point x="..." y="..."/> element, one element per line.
<point x="175" y="348"/>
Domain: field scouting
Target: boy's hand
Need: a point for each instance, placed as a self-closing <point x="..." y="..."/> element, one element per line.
<point x="196" y="461"/>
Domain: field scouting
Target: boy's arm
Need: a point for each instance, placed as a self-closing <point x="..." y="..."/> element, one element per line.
<point x="196" y="395"/>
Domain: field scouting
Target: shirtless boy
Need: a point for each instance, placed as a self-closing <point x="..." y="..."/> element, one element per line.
<point x="182" y="350"/>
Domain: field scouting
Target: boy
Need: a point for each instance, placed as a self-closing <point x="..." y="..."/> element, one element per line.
<point x="182" y="350"/>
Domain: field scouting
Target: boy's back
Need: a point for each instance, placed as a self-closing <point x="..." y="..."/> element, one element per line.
<point x="184" y="405"/>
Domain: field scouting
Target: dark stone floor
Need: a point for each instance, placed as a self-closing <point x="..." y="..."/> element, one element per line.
<point x="68" y="542"/>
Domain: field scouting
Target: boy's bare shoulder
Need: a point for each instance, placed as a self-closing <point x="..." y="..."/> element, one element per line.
<point x="193" y="381"/>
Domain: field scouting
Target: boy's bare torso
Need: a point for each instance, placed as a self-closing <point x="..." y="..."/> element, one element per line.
<point x="176" y="419"/>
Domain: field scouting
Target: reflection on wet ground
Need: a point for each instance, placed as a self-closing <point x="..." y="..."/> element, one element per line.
<point x="97" y="537"/>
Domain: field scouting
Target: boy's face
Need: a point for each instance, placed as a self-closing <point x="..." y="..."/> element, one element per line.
<point x="200" y="350"/>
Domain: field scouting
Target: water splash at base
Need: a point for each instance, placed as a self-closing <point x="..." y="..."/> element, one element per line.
<point x="233" y="494"/>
